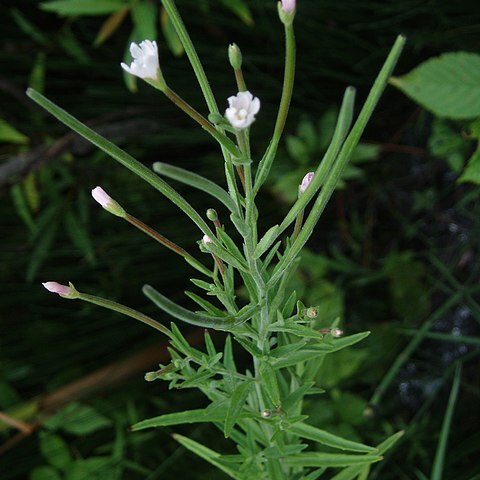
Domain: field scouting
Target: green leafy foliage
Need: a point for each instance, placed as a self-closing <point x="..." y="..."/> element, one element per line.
<point x="448" y="86"/>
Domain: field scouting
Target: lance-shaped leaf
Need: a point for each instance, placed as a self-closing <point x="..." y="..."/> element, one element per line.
<point x="196" y="181"/>
<point x="198" y="319"/>
<point x="318" y="459"/>
<point x="309" y="432"/>
<point x="212" y="457"/>
<point x="269" y="382"/>
<point x="354" y="471"/>
<point x="342" y="160"/>
<point x="122" y="157"/>
<point x="237" y="401"/>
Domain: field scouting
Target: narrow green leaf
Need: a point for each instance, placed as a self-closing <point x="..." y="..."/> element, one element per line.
<point x="171" y="37"/>
<point x="237" y="401"/>
<point x="296" y="329"/>
<point x="228" y="360"/>
<point x="110" y="26"/>
<point x="41" y="250"/>
<point x="448" y="85"/>
<point x="200" y="320"/>
<point x="291" y="403"/>
<point x="196" y="181"/>
<point x="266" y="241"/>
<point x="269" y="382"/>
<point x="205" y="304"/>
<point x="144" y="18"/>
<point x="79" y="235"/>
<point x="325" y="438"/>
<point x="212" y="457"/>
<point x="390" y="442"/>
<point x="44" y="472"/>
<point x="82" y="7"/>
<point x="122" y="157"/>
<point x="317" y="459"/>
<point x="437" y="469"/>
<point x="334" y="174"/>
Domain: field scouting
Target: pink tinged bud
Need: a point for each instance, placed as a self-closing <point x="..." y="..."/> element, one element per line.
<point x="101" y="196"/>
<point x="242" y="110"/>
<point x="145" y="62"/>
<point x="62" y="290"/>
<point x="55" y="287"/>
<point x="107" y="202"/>
<point x="307" y="179"/>
<point x="289" y="6"/>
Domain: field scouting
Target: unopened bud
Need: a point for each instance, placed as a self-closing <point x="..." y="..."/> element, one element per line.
<point x="311" y="312"/>
<point x="307" y="179"/>
<point x="206" y="239"/>
<point x="235" y="56"/>
<point x="212" y="214"/>
<point x="286" y="11"/>
<point x="266" y="413"/>
<point x="107" y="202"/>
<point x="336" y="332"/>
<point x="62" y="290"/>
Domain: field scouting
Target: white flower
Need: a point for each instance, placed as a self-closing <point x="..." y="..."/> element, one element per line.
<point x="145" y="60"/>
<point x="307" y="179"/>
<point x="242" y="110"/>
<point x="288" y="6"/>
<point x="206" y="239"/>
<point x="64" y="291"/>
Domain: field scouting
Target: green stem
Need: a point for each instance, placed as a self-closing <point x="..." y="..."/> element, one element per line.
<point x="202" y="121"/>
<point x="288" y="82"/>
<point x="168" y="244"/>
<point x="242" y="86"/>
<point x="192" y="55"/>
<point x="129" y="312"/>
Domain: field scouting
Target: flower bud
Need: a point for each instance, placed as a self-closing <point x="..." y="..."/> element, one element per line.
<point x="242" y="110"/>
<point x="62" y="290"/>
<point x="311" y="312"/>
<point x="286" y="11"/>
<point x="107" y="202"/>
<point x="212" y="215"/>
<point x="235" y="56"/>
<point x="336" y="332"/>
<point x="288" y="6"/>
<point x="307" y="179"/>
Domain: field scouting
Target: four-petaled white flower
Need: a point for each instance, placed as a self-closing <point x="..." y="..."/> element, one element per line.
<point x="289" y="6"/>
<point x="307" y="179"/>
<point x="145" y="60"/>
<point x="242" y="110"/>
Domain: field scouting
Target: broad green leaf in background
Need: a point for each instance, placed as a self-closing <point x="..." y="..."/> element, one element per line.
<point x="9" y="134"/>
<point x="44" y="472"/>
<point x="472" y="170"/>
<point x="78" y="419"/>
<point x="448" y="85"/>
<point x="54" y="450"/>
<point x="82" y="7"/>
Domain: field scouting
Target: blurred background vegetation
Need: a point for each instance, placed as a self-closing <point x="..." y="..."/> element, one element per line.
<point x="396" y="252"/>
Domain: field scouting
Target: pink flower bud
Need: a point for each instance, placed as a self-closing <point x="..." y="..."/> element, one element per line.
<point x="55" y="287"/>
<point x="101" y="196"/>
<point x="107" y="202"/>
<point x="289" y="6"/>
<point x="307" y="179"/>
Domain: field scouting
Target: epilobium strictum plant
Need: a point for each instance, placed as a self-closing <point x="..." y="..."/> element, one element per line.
<point x="260" y="407"/>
